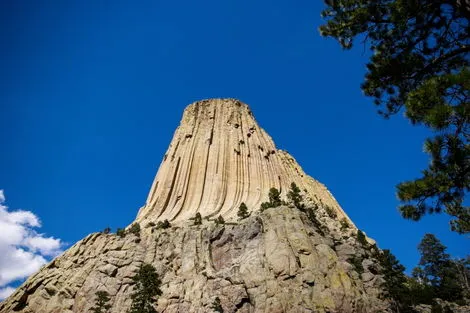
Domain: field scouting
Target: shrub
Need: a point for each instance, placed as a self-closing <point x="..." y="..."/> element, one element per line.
<point x="313" y="218"/>
<point x="163" y="225"/>
<point x="274" y="197"/>
<point x="329" y="210"/>
<point x="107" y="230"/>
<point x="264" y="206"/>
<point x="243" y="211"/>
<point x="216" y="306"/>
<point x="361" y="238"/>
<point x="274" y="200"/>
<point x="220" y="220"/>
<point x="198" y="219"/>
<point x="344" y="224"/>
<point x="101" y="302"/>
<point x="295" y="196"/>
<point x="356" y="262"/>
<point x="121" y="232"/>
<point x="135" y="229"/>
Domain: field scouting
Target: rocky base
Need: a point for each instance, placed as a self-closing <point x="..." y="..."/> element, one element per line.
<point x="275" y="261"/>
<point x="443" y="306"/>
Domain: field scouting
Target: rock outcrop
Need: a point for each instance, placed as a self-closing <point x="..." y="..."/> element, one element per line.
<point x="219" y="157"/>
<point x="279" y="260"/>
<point x="275" y="261"/>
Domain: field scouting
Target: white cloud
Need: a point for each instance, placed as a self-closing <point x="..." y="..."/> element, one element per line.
<point x="22" y="250"/>
<point x="5" y="292"/>
<point x="46" y="246"/>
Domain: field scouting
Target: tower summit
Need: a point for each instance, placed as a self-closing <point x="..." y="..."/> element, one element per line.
<point x="220" y="157"/>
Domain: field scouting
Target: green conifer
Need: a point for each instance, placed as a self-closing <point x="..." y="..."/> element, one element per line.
<point x="146" y="290"/>
<point x="243" y="211"/>
<point x="101" y="302"/>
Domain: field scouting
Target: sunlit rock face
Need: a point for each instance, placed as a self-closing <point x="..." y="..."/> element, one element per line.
<point x="280" y="260"/>
<point x="220" y="157"/>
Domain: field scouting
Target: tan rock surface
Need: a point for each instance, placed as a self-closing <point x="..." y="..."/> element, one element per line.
<point x="220" y="157"/>
<point x="280" y="260"/>
<point x="275" y="261"/>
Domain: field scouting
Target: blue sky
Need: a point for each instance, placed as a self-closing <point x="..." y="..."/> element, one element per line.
<point x="92" y="92"/>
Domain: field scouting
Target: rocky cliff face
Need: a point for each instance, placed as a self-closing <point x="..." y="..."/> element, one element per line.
<point x="279" y="260"/>
<point x="219" y="157"/>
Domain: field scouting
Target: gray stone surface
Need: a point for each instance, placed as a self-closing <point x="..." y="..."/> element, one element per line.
<point x="276" y="261"/>
<point x="271" y="262"/>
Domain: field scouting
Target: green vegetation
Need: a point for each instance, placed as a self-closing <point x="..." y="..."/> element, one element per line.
<point x="107" y="230"/>
<point x="163" y="225"/>
<point x="437" y="308"/>
<point x="436" y="269"/>
<point x="344" y="224"/>
<point x="134" y="229"/>
<point x="121" y="232"/>
<point x="146" y="290"/>
<point x="243" y="211"/>
<point x="220" y="220"/>
<point x="216" y="306"/>
<point x="437" y="276"/>
<point x="264" y="206"/>
<point x="101" y="302"/>
<point x="330" y="211"/>
<point x="274" y="200"/>
<point x="395" y="281"/>
<point x="295" y="196"/>
<point x="198" y="219"/>
<point x="313" y="218"/>
<point x="356" y="262"/>
<point x="419" y="64"/>
<point x="361" y="238"/>
<point x="274" y="197"/>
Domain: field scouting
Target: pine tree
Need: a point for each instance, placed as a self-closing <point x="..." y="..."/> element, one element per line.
<point x="438" y="270"/>
<point x="101" y="302"/>
<point x="264" y="206"/>
<point x="220" y="220"/>
<point x="135" y="229"/>
<point x="198" y="219"/>
<point x="146" y="289"/>
<point x="274" y="197"/>
<point x="295" y="196"/>
<point x="243" y="211"/>
<point x="121" y="232"/>
<point x="419" y="64"/>
<point x="463" y="274"/>
<point x="163" y="225"/>
<point x="361" y="238"/>
<point x="395" y="281"/>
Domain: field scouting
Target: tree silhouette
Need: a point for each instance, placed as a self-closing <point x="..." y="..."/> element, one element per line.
<point x="101" y="302"/>
<point x="419" y="64"/>
<point x="146" y="290"/>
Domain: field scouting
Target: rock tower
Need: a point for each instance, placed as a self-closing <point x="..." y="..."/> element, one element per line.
<point x="219" y="157"/>
<point x="279" y="260"/>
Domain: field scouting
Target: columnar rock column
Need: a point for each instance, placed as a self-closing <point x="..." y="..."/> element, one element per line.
<point x="219" y="157"/>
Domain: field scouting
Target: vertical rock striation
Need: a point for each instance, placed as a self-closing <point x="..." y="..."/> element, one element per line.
<point x="278" y="260"/>
<point x="219" y="157"/>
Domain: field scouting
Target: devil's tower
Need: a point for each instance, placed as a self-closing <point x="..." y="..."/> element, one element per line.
<point x="219" y="157"/>
<point x="280" y="260"/>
